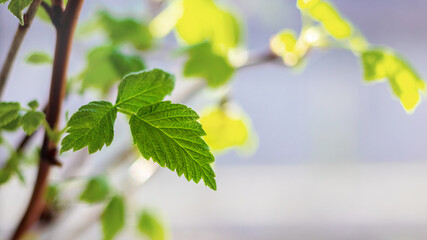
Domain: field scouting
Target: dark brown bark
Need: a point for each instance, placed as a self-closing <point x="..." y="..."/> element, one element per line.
<point x="64" y="37"/>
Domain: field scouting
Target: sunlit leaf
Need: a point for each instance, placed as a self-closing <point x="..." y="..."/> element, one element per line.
<point x="224" y="129"/>
<point x="106" y="65"/>
<point x="126" y="30"/>
<point x="113" y="218"/>
<point x="11" y="168"/>
<point x="170" y="135"/>
<point x="8" y="112"/>
<point x="96" y="190"/>
<point x="151" y="226"/>
<point x="203" y="20"/>
<point x="39" y="58"/>
<point x="405" y="82"/>
<point x="204" y="63"/>
<point x="144" y="88"/>
<point x="303" y="4"/>
<point x="326" y="13"/>
<point x="92" y="125"/>
<point x="284" y="44"/>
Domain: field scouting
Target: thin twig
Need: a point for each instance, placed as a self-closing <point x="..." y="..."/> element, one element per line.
<point x="16" y="43"/>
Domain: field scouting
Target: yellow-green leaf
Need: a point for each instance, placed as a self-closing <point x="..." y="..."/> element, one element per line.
<point x="405" y="82"/>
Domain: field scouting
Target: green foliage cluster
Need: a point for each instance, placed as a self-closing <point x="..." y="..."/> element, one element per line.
<point x="166" y="132"/>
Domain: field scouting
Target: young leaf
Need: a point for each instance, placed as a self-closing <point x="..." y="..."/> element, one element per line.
<point x="106" y="65"/>
<point x="16" y="7"/>
<point x="150" y="225"/>
<point x="33" y="104"/>
<point x="205" y="63"/>
<point x="96" y="190"/>
<point x="170" y="135"/>
<point x="92" y="125"/>
<point x="405" y="82"/>
<point x="126" y="30"/>
<point x="8" y="112"/>
<point x="330" y="18"/>
<point x="39" y="58"/>
<point x="203" y="20"/>
<point x="224" y="129"/>
<point x="144" y="88"/>
<point x="113" y="218"/>
<point x="31" y="121"/>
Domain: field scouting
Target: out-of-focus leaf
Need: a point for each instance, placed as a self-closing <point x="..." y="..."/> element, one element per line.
<point x="33" y="104"/>
<point x="197" y="21"/>
<point x="144" y="88"/>
<point x="151" y="226"/>
<point x="8" y="112"/>
<point x="203" y="20"/>
<point x="204" y="63"/>
<point x="96" y="190"/>
<point x="326" y="13"/>
<point x="225" y="129"/>
<point x="31" y="121"/>
<point x="107" y="65"/>
<point x="113" y="218"/>
<point x="170" y="135"/>
<point x="126" y="30"/>
<point x="283" y="44"/>
<point x="405" y="82"/>
<point x="39" y="58"/>
<point x="10" y="168"/>
<point x="13" y="125"/>
<point x="92" y="126"/>
<point x="52" y="193"/>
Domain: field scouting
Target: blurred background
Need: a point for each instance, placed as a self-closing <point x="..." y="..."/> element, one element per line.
<point x="337" y="159"/>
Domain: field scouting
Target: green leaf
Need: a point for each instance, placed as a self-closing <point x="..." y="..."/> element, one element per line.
<point x="13" y="125"/>
<point x="144" y="88"/>
<point x="8" y="112"/>
<point x="52" y="193"/>
<point x="330" y="18"/>
<point x="126" y="30"/>
<point x="97" y="189"/>
<point x="404" y="80"/>
<point x="150" y="225"/>
<point x="39" y="58"/>
<point x="113" y="218"/>
<point x="17" y="6"/>
<point x="170" y="135"/>
<point x="204" y="63"/>
<point x="106" y="65"/>
<point x="31" y="121"/>
<point x="33" y="104"/>
<point x="92" y="125"/>
<point x="10" y="168"/>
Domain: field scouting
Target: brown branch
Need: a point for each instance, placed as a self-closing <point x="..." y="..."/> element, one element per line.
<point x="48" y="9"/>
<point x="64" y="37"/>
<point x="266" y="57"/>
<point x="16" y="43"/>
